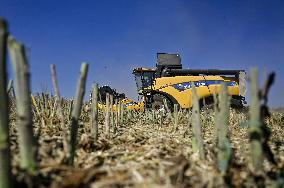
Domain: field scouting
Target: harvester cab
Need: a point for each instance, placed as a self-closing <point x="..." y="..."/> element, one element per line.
<point x="170" y="84"/>
<point x="145" y="77"/>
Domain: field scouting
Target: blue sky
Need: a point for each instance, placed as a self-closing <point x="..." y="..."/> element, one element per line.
<point x="115" y="36"/>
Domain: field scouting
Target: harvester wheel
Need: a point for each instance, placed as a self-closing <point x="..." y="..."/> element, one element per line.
<point x="160" y="102"/>
<point x="207" y="104"/>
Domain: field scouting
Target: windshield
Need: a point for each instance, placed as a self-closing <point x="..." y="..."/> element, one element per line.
<point x="138" y="80"/>
<point x="143" y="80"/>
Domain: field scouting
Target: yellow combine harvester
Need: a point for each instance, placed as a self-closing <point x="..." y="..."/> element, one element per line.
<point x="128" y="104"/>
<point x="170" y="84"/>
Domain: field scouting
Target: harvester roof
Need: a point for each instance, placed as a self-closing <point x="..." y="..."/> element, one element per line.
<point x="142" y="69"/>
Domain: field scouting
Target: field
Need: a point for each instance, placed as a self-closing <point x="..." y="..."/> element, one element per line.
<point x="145" y="151"/>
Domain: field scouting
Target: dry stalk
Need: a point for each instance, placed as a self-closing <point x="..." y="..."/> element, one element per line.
<point x="95" y="124"/>
<point x="197" y="140"/>
<point x="222" y="123"/>
<point x="116" y="115"/>
<point x="57" y="94"/>
<point x="259" y="132"/>
<point x="107" y="116"/>
<point x="153" y="117"/>
<point x="35" y="105"/>
<point x="76" y="111"/>
<point x="10" y="89"/>
<point x="242" y="83"/>
<point x="70" y="109"/>
<point x="166" y="106"/>
<point x="255" y="124"/>
<point x="175" y="116"/>
<point x="24" y="111"/>
<point x="215" y="107"/>
<point x="111" y="112"/>
<point x="5" y="156"/>
<point x="59" y="108"/>
<point x="161" y="120"/>
<point x="39" y="114"/>
<point x="121" y="114"/>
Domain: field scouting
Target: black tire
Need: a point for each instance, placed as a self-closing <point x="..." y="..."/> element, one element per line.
<point x="161" y="102"/>
<point x="236" y="103"/>
<point x="206" y="104"/>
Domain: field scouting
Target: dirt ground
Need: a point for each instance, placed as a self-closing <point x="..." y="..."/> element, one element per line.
<point x="146" y="152"/>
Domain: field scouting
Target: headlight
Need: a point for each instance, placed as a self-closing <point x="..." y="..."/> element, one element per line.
<point x="130" y="104"/>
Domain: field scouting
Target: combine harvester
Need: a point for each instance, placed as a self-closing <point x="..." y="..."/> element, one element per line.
<point x="170" y="84"/>
<point x="120" y="97"/>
